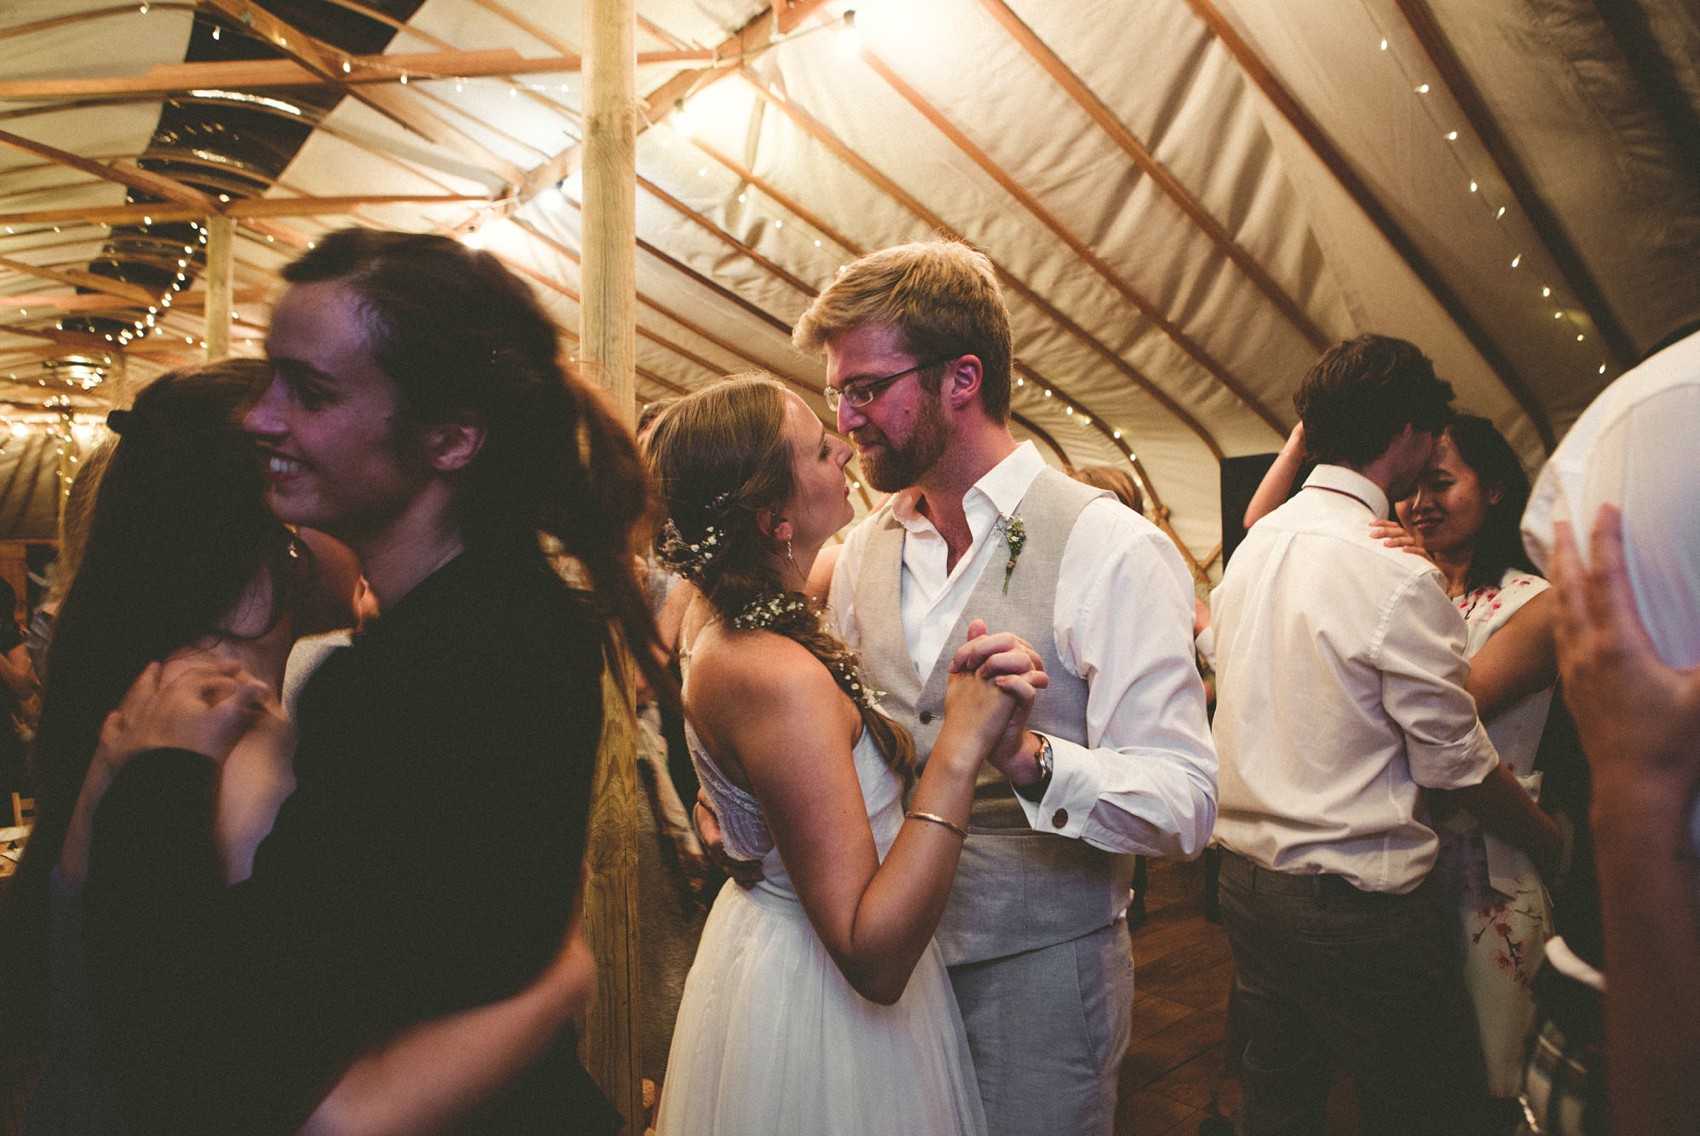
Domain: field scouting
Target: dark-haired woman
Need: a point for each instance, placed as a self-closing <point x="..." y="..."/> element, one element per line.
<point x="817" y="1002"/>
<point x="183" y="563"/>
<point x="1464" y="516"/>
<point x="428" y="858"/>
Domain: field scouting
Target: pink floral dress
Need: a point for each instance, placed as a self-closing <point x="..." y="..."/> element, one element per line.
<point x="1503" y="912"/>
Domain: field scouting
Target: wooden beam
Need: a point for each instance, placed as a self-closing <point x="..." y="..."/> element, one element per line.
<point x="321" y="59"/>
<point x="124" y="173"/>
<point x="1541" y="216"/>
<point x="77" y="340"/>
<point x="85" y="303"/>
<point x="220" y="261"/>
<point x="79" y="279"/>
<point x="670" y="314"/>
<point x="237" y="208"/>
<point x="35" y="27"/>
<point x="788" y="14"/>
<point x="233" y="75"/>
<point x="1112" y="126"/>
<point x="1629" y="26"/>
<point x="608" y="320"/>
<point x="1337" y="164"/>
<point x="712" y="229"/>
<point x="1167" y="327"/>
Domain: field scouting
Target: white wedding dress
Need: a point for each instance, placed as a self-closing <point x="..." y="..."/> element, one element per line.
<point x="771" y="1039"/>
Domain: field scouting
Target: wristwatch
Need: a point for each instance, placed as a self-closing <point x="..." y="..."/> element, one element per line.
<point x="1036" y="791"/>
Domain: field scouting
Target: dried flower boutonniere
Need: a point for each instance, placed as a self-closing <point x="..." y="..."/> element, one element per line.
<point x="1015" y="536"/>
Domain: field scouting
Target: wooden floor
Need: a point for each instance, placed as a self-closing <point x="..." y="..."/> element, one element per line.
<point x="1182" y="973"/>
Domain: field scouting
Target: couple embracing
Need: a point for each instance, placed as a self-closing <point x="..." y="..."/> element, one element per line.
<point x="938" y="942"/>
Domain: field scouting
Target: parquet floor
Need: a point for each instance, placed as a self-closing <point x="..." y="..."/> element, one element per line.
<point x="1182" y="974"/>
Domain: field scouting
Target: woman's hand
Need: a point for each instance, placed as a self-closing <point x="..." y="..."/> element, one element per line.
<point x="204" y="707"/>
<point x="745" y="873"/>
<point x="1395" y="535"/>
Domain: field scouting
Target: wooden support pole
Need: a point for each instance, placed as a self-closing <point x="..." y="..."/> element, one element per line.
<point x="608" y="350"/>
<point x="221" y="249"/>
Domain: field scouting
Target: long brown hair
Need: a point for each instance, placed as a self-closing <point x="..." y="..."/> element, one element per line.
<point x="178" y="531"/>
<point x="722" y="457"/>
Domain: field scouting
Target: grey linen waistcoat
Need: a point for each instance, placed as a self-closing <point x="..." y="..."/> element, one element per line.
<point x="1016" y="889"/>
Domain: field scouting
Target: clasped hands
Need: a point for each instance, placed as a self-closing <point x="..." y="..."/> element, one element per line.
<point x="994" y="679"/>
<point x="206" y="707"/>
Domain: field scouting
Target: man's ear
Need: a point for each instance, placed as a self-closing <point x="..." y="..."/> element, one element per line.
<point x="962" y="381"/>
<point x="451" y="446"/>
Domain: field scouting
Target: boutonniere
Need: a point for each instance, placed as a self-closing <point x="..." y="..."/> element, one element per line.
<point x="1015" y="537"/>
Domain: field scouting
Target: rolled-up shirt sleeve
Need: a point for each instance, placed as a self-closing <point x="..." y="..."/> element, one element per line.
<point x="1145" y="779"/>
<point x="1419" y="649"/>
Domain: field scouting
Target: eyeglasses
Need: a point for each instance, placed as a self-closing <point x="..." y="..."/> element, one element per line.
<point x="861" y="393"/>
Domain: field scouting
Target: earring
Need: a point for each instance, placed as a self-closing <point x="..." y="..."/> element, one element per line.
<point x="788" y="554"/>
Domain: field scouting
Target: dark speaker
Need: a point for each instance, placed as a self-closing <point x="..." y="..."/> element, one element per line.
<point x="1240" y="478"/>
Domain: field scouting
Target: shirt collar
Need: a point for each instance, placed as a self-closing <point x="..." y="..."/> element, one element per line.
<point x="999" y="490"/>
<point x="1350" y="482"/>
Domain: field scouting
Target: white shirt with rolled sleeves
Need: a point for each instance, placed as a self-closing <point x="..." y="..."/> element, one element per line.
<point x="1144" y="778"/>
<point x="1339" y="693"/>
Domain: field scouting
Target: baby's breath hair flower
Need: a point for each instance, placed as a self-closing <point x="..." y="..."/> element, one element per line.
<point x="774" y="611"/>
<point x="689" y="559"/>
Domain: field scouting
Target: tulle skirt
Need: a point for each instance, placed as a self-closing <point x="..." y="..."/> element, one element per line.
<point x="771" y="1039"/>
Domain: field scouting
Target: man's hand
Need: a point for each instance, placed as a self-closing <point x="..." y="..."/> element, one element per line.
<point x="746" y="873"/>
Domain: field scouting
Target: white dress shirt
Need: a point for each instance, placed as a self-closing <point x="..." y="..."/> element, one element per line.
<point x="1634" y="447"/>
<point x="1145" y="778"/>
<point x="1339" y="693"/>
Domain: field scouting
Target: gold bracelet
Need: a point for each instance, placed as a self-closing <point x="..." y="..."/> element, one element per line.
<point x="936" y="819"/>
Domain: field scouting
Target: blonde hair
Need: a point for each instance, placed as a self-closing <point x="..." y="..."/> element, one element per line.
<point x="722" y="456"/>
<point x="943" y="297"/>
<point x="1114" y="479"/>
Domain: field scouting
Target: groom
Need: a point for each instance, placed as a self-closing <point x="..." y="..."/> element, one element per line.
<point x="1119" y="759"/>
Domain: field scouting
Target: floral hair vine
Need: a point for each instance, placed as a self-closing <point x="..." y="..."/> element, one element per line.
<point x="765" y="612"/>
<point x="690" y="559"/>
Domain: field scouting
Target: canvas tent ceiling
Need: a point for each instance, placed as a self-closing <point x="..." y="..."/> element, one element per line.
<point x="1186" y="199"/>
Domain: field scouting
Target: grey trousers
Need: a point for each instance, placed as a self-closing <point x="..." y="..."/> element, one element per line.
<point x="1048" y="1029"/>
<point x="1327" y="976"/>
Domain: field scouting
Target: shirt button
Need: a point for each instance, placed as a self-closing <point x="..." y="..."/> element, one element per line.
<point x="926" y="717"/>
<point x="1059" y="819"/>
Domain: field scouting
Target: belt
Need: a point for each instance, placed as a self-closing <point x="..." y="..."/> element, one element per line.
<point x="1320" y="885"/>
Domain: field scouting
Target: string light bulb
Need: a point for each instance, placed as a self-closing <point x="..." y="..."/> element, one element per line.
<point x="849" y="38"/>
<point x="684" y="121"/>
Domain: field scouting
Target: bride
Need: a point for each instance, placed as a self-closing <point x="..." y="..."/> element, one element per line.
<point x="817" y="1002"/>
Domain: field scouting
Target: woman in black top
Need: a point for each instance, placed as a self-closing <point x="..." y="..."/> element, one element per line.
<point x="429" y="855"/>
